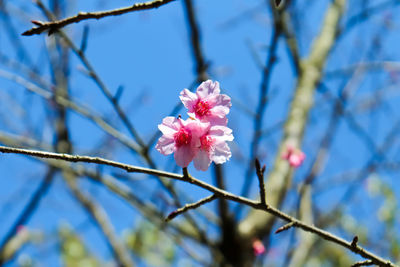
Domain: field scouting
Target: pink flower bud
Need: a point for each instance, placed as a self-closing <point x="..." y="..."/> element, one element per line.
<point x="258" y="247"/>
<point x="294" y="156"/>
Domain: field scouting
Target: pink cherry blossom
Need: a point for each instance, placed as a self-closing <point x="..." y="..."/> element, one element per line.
<point x="181" y="138"/>
<point x="207" y="104"/>
<point x="294" y="156"/>
<point x="194" y="140"/>
<point x="258" y="247"/>
<point x="213" y="147"/>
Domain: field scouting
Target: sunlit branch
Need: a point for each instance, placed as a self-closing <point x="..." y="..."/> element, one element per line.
<point x="54" y="25"/>
<point x="218" y="193"/>
<point x="190" y="206"/>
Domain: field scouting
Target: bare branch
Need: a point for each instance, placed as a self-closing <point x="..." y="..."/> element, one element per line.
<point x="363" y="263"/>
<point x="186" y="177"/>
<point x="284" y="228"/>
<point x="260" y="174"/>
<point x="191" y="206"/>
<point x="53" y="26"/>
<point x="257" y="224"/>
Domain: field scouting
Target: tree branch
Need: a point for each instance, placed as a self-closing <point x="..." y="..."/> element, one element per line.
<point x="190" y="206"/>
<point x="53" y="26"/>
<point x="256" y="224"/>
<point x="186" y="177"/>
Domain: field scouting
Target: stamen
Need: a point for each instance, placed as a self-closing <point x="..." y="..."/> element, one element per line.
<point x="182" y="137"/>
<point x="202" y="108"/>
<point x="206" y="142"/>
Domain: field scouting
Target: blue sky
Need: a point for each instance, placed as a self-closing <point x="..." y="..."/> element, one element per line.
<point x="148" y="53"/>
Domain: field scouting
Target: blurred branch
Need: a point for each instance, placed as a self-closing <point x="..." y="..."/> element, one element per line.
<point x="13" y="34"/>
<point x="256" y="223"/>
<point x="283" y="19"/>
<point x="101" y="218"/>
<point x="74" y="106"/>
<point x="147" y="209"/>
<point x="13" y="245"/>
<point x="227" y="224"/>
<point x="99" y="215"/>
<point x="306" y="241"/>
<point x="201" y="66"/>
<point x="365" y="66"/>
<point x="143" y="151"/>
<point x="96" y="78"/>
<point x="29" y="208"/>
<point x="55" y="25"/>
<point x="366" y="14"/>
<point x="260" y="110"/>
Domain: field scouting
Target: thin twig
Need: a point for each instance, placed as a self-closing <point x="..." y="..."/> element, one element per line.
<point x="260" y="111"/>
<point x="144" y="149"/>
<point x="97" y="160"/>
<point x="260" y="174"/>
<point x="186" y="177"/>
<point x="190" y="206"/>
<point x="363" y="263"/>
<point x="96" y="78"/>
<point x="52" y="26"/>
<point x="279" y="179"/>
<point x="285" y="227"/>
<point x="74" y="106"/>
<point x="201" y="65"/>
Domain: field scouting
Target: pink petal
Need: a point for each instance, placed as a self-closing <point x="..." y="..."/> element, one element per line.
<point x="214" y="120"/>
<point x="165" y="145"/>
<point x="224" y="100"/>
<point x="188" y="99"/>
<point x="197" y="129"/>
<point x="169" y="126"/>
<point x="221" y="153"/>
<point x="202" y="160"/>
<point x="207" y="88"/>
<point x="184" y="155"/>
<point x="294" y="161"/>
<point x="219" y="111"/>
<point x="221" y="132"/>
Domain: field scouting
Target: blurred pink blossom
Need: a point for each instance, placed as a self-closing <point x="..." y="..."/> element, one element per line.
<point x="207" y="104"/>
<point x="294" y="156"/>
<point x="258" y="247"/>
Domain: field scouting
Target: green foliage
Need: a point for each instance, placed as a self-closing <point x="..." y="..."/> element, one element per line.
<point x="73" y="250"/>
<point x="151" y="244"/>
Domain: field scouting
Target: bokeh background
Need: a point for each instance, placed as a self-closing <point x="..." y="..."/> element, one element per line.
<point x="146" y="58"/>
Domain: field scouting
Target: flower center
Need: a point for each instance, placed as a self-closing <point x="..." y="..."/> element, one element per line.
<point x="182" y="137"/>
<point x="206" y="142"/>
<point x="201" y="108"/>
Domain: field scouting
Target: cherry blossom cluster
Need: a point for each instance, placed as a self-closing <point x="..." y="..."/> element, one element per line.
<point x="202" y="137"/>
